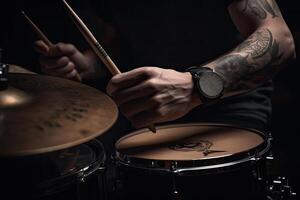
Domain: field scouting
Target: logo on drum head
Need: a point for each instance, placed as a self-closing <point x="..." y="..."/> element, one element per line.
<point x="201" y="145"/>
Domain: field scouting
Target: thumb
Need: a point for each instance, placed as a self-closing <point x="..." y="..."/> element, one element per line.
<point x="41" y="47"/>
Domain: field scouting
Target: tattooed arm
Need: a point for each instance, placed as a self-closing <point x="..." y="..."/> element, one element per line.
<point x="269" y="44"/>
<point x="149" y="95"/>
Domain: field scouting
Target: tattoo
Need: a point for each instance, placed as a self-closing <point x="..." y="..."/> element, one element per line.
<point x="257" y="44"/>
<point x="260" y="8"/>
<point x="243" y="72"/>
<point x="233" y="68"/>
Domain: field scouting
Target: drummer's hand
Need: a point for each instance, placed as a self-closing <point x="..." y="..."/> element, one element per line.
<point x="150" y="95"/>
<point x="62" y="60"/>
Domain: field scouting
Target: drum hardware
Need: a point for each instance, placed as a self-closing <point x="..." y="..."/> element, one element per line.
<point x="3" y="74"/>
<point x="270" y="157"/>
<point x="87" y="171"/>
<point x="147" y="153"/>
<point x="174" y="191"/>
<point x="280" y="189"/>
<point x="91" y="172"/>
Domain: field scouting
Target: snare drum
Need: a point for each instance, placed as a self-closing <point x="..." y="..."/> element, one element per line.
<point x="189" y="161"/>
<point x="70" y="174"/>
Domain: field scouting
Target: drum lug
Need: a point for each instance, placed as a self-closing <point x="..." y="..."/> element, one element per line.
<point x="256" y="157"/>
<point x="173" y="166"/>
<point x="279" y="189"/>
<point x="82" y="176"/>
<point x="270" y="157"/>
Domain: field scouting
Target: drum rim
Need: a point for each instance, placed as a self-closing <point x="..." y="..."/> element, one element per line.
<point x="212" y="163"/>
<point x="58" y="184"/>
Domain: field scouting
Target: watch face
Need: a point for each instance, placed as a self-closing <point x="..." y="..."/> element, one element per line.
<point x="210" y="85"/>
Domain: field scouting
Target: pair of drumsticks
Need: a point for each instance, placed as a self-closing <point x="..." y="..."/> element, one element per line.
<point x="90" y="38"/>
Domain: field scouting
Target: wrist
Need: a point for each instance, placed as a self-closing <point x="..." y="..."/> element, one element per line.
<point x="208" y="85"/>
<point x="195" y="100"/>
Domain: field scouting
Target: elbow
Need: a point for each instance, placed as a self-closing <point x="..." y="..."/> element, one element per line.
<point x="288" y="47"/>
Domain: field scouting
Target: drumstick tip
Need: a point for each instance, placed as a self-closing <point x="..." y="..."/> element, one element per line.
<point x="152" y="128"/>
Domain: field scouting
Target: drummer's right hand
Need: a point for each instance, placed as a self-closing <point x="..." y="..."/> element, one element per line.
<point x="61" y="59"/>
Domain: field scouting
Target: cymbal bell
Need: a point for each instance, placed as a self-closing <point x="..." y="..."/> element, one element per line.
<point x="13" y="97"/>
<point x="40" y="114"/>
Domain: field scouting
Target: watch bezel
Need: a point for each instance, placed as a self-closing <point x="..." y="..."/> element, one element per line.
<point x="197" y="73"/>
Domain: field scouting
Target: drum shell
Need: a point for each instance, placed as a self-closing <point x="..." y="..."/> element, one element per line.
<point x="245" y="182"/>
<point x="238" y="176"/>
<point x="34" y="177"/>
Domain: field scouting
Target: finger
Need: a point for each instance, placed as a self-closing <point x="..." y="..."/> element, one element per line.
<point x="41" y="47"/>
<point x="152" y="116"/>
<point x="71" y="75"/>
<point x="128" y="94"/>
<point x="52" y="63"/>
<point x="62" y="49"/>
<point x="128" y="79"/>
<point x="138" y="106"/>
<point x="144" y="119"/>
<point x="65" y="70"/>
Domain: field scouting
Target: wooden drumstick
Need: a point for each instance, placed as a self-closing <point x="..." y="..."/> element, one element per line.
<point x="43" y="37"/>
<point x="95" y="45"/>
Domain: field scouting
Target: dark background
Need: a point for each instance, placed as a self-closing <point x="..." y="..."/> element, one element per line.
<point x="16" y="39"/>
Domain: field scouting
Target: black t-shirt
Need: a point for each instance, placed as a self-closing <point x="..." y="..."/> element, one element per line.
<point x="178" y="34"/>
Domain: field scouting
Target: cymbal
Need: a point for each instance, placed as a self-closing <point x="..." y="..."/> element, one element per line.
<point x="12" y="97"/>
<point x="51" y="114"/>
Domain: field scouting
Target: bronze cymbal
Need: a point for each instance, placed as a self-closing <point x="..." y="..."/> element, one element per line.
<point x="12" y="97"/>
<point x="55" y="114"/>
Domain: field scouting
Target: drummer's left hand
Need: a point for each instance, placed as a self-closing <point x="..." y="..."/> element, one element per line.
<point x="150" y="95"/>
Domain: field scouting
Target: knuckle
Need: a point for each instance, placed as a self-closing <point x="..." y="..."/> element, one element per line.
<point x="149" y="71"/>
<point x="63" y="61"/>
<point x="155" y="100"/>
<point x="71" y="65"/>
<point x="151" y="84"/>
<point x="71" y="48"/>
<point x="60" y="46"/>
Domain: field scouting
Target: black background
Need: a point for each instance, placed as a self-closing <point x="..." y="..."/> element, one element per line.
<point x="16" y="39"/>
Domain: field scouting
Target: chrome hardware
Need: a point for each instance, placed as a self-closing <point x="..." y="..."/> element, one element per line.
<point x="279" y="189"/>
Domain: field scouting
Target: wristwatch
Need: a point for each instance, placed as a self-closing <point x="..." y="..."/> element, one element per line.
<point x="208" y="84"/>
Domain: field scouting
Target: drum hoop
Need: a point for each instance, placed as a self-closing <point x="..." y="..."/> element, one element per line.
<point x="80" y="175"/>
<point x="205" y="164"/>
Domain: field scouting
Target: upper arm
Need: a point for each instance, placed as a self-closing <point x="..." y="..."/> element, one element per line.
<point x="249" y="15"/>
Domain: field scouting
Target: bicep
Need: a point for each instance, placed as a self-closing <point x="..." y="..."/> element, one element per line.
<point x="249" y="15"/>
